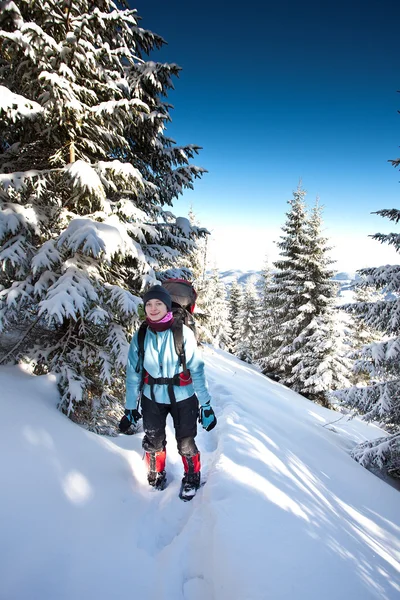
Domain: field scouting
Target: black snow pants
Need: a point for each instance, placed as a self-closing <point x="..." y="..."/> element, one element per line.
<point x="184" y="414"/>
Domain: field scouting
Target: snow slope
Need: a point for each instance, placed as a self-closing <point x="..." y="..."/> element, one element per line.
<point x="285" y="512"/>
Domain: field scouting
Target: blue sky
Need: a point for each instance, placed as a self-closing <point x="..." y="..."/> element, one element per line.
<point x="274" y="93"/>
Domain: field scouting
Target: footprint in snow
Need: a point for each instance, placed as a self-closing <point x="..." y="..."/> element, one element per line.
<point x="197" y="589"/>
<point x="166" y="522"/>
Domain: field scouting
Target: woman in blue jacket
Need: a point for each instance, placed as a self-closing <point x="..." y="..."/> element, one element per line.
<point x="167" y="389"/>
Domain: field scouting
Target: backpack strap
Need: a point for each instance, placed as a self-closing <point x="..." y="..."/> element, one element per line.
<point x="177" y="332"/>
<point x="139" y="365"/>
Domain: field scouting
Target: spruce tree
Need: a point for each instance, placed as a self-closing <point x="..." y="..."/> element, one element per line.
<point x="266" y="317"/>
<point x="359" y="334"/>
<point x="290" y="289"/>
<point x="215" y="327"/>
<point x="196" y="262"/>
<point x="235" y="307"/>
<point x="379" y="399"/>
<point x="86" y="171"/>
<point x="197" y="259"/>
<point x="248" y="318"/>
<point x="320" y="364"/>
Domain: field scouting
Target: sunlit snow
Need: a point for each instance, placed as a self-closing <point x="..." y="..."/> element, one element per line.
<point x="285" y="513"/>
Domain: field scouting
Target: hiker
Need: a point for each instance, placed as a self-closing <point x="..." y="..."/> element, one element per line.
<point x="167" y="387"/>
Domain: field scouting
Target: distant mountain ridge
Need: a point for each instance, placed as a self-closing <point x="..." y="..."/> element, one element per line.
<point x="242" y="276"/>
<point x="344" y="278"/>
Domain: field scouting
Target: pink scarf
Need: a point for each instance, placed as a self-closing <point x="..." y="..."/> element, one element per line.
<point x="161" y="325"/>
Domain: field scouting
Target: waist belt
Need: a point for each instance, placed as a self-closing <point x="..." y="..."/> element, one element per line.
<point x="180" y="379"/>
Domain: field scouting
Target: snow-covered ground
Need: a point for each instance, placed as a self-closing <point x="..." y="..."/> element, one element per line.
<point x="285" y="512"/>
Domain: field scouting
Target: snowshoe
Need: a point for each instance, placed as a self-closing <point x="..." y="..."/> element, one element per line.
<point x="189" y="486"/>
<point x="157" y="480"/>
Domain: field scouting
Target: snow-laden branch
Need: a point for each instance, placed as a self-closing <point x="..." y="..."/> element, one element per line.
<point x="46" y="257"/>
<point x="17" y="179"/>
<point x="16" y="107"/>
<point x="110" y="106"/>
<point x="117" y="340"/>
<point x="69" y="296"/>
<point x="123" y="300"/>
<point x="93" y="237"/>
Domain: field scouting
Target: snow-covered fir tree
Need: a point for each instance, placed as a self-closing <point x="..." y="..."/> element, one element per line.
<point x="196" y="262"/>
<point x="235" y="307"/>
<point x="264" y="343"/>
<point x="86" y="171"/>
<point x="197" y="259"/>
<point x="320" y="364"/>
<point x="249" y="321"/>
<point x="305" y="338"/>
<point x="359" y="334"/>
<point x="379" y="400"/>
<point x="290" y="291"/>
<point x="214" y="327"/>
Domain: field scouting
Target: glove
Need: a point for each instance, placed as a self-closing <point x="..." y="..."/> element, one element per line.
<point x="129" y="421"/>
<point x="207" y="417"/>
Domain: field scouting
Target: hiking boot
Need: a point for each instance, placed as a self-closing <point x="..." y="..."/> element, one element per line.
<point x="189" y="486"/>
<point x="157" y="480"/>
<point x="155" y="462"/>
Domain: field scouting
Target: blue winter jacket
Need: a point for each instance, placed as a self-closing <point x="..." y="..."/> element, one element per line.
<point x="161" y="360"/>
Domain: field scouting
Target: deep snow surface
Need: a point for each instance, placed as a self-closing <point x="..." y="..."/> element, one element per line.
<point x="285" y="512"/>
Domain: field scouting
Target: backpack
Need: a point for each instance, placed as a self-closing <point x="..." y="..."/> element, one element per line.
<point x="183" y="297"/>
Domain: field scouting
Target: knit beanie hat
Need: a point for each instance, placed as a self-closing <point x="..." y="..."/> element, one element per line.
<point x="157" y="292"/>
